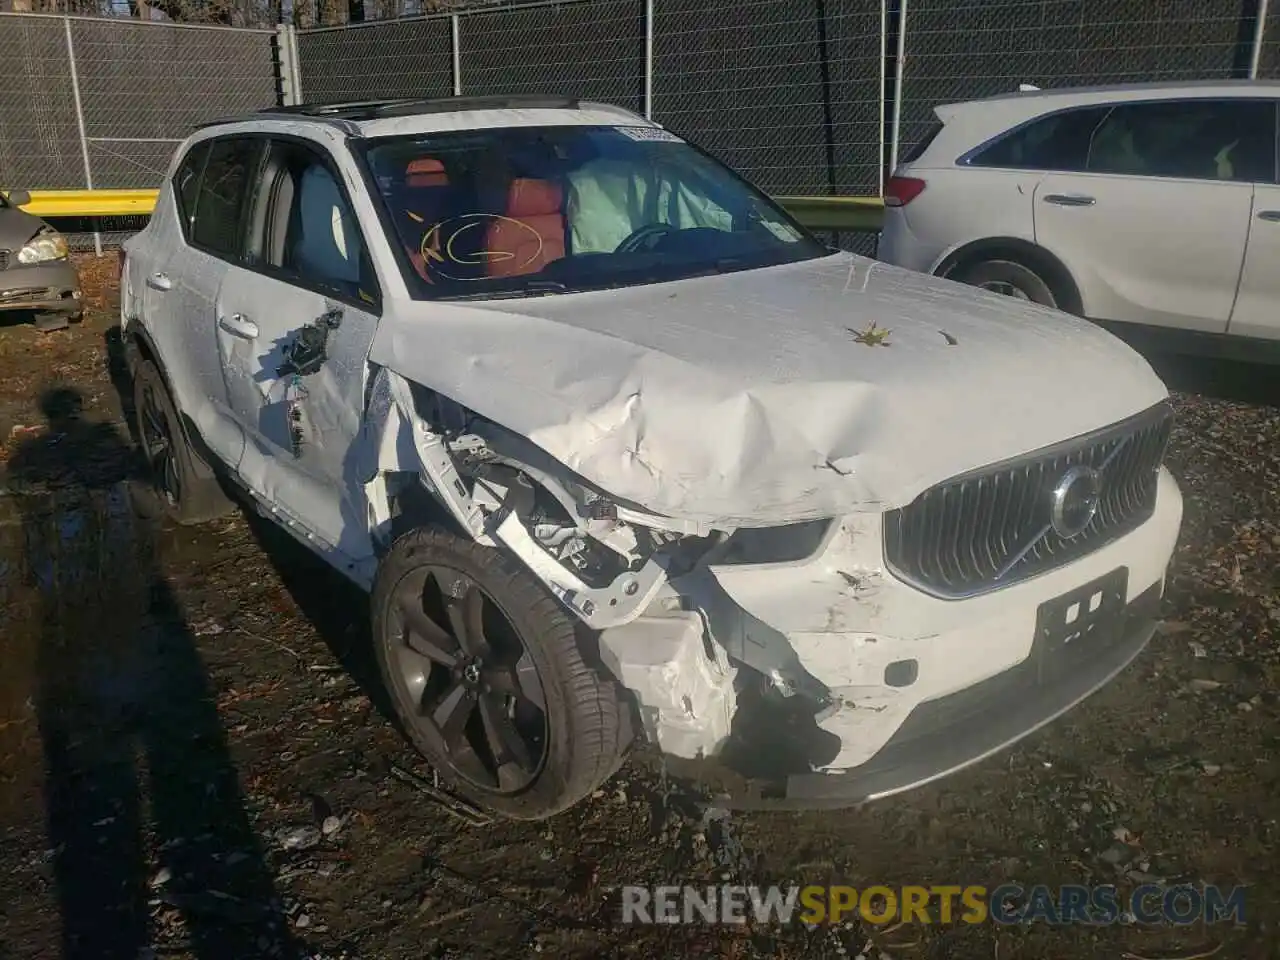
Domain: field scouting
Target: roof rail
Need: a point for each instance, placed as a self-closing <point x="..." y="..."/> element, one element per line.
<point x="344" y="113"/>
<point x="410" y="106"/>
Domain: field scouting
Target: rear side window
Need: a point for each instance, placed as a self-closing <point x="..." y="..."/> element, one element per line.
<point x="223" y="199"/>
<point x="186" y="184"/>
<point x="1059" y="141"/>
<point x="1188" y="139"/>
<point x="920" y="146"/>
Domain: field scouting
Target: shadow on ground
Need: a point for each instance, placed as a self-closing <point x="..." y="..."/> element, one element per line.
<point x="145" y="816"/>
<point x="1252" y="383"/>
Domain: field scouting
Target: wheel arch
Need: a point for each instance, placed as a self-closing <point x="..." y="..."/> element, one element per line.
<point x="1025" y="252"/>
<point x="140" y="347"/>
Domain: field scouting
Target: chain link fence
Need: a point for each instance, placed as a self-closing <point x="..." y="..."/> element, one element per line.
<point x="964" y="49"/>
<point x="40" y="143"/>
<point x="788" y="91"/>
<point x="794" y="93"/>
<point x="589" y="50"/>
<point x="400" y="58"/>
<point x="101" y="103"/>
<point x="144" y="88"/>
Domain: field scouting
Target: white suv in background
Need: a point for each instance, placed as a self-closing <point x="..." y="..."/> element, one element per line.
<point x="1150" y="207"/>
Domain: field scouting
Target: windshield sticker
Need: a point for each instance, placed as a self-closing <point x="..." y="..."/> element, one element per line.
<point x="649" y="134"/>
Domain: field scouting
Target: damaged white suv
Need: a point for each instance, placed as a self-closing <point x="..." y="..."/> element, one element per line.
<point x="619" y="448"/>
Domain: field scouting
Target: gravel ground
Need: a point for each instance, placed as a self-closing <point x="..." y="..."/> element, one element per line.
<point x="194" y="760"/>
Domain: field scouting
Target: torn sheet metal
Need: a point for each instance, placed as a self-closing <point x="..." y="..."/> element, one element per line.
<point x="865" y="719"/>
<point x="744" y="399"/>
<point x="686" y="699"/>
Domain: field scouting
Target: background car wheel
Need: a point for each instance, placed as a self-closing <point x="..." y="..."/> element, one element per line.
<point x="177" y="487"/>
<point x="488" y="677"/>
<point x="1008" y="277"/>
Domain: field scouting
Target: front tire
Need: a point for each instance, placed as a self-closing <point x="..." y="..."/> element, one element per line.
<point x="1008" y="277"/>
<point x="488" y="678"/>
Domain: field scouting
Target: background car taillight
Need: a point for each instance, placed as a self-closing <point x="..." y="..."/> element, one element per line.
<point x="899" y="191"/>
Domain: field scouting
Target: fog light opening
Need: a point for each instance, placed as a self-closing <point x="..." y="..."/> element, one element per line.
<point x="901" y="673"/>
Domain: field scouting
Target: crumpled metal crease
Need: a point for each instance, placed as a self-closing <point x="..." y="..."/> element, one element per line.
<point x="741" y="399"/>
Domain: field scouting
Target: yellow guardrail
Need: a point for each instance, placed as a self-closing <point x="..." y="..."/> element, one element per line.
<point x="852" y="214"/>
<point x="855" y="214"/>
<point x="91" y="203"/>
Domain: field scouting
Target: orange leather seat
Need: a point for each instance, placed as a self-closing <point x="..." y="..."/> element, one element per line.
<point x="425" y="184"/>
<point x="532" y="234"/>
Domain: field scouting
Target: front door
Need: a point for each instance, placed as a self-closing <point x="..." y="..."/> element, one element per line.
<point x="294" y="329"/>
<point x="1257" y="311"/>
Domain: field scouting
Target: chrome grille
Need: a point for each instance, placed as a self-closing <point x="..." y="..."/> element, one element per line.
<point x="4" y="259"/>
<point x="991" y="527"/>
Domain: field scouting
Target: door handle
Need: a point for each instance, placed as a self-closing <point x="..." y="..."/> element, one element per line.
<point x="1271" y="216"/>
<point x="159" y="281"/>
<point x="239" y="326"/>
<point x="1070" y="200"/>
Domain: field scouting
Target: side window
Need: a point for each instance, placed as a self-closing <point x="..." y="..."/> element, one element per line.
<point x="224" y="196"/>
<point x="306" y="229"/>
<point x="186" y="183"/>
<point x="1059" y="142"/>
<point x="1188" y="139"/>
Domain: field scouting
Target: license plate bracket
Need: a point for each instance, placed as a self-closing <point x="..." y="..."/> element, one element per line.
<point x="1080" y="620"/>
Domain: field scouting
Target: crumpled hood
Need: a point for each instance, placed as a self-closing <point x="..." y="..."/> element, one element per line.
<point x="745" y="399"/>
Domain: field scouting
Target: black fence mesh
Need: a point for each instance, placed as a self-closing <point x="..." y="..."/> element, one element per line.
<point x="145" y="87"/>
<point x="786" y="91"/>
<point x="407" y="58"/>
<point x="964" y="49"/>
<point x="855" y="66"/>
<point x="39" y="135"/>
<point x="591" y="50"/>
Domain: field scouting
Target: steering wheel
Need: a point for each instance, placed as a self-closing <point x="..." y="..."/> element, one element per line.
<point x="644" y="237"/>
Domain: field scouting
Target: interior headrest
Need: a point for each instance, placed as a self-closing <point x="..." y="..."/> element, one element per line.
<point x="533" y="198"/>
<point x="426" y="172"/>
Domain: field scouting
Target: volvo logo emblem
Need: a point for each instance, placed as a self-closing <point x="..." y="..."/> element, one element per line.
<point x="1074" y="502"/>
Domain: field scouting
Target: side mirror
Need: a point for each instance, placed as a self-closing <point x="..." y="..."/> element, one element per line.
<point x="18" y="198"/>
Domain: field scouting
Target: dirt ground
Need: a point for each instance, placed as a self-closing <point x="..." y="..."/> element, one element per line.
<point x="194" y="761"/>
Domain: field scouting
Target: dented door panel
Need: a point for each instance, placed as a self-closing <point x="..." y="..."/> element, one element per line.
<point x="300" y="424"/>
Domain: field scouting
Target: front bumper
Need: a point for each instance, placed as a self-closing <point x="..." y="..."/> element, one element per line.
<point x="43" y="288"/>
<point x="943" y="736"/>
<point x="919" y="687"/>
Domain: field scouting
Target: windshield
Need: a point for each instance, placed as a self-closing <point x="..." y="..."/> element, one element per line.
<point x="521" y="211"/>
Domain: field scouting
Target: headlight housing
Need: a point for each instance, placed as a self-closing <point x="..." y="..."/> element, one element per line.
<point x="46" y="245"/>
<point x="790" y="543"/>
